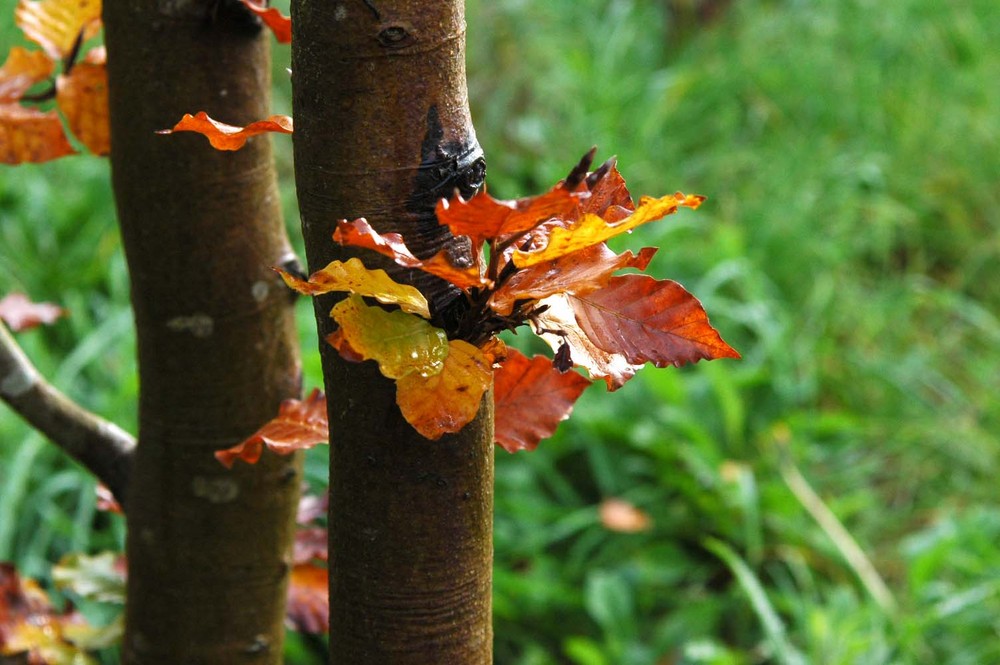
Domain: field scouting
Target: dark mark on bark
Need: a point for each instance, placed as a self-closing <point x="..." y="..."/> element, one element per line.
<point x="370" y="5"/>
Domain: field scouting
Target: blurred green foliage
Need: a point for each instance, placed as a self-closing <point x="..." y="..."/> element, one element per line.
<point x="849" y="249"/>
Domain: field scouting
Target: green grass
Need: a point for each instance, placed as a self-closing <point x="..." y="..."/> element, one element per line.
<point x="849" y="249"/>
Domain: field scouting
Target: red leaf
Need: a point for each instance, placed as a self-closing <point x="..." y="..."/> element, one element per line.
<point x="21" y="314"/>
<point x="531" y="398"/>
<point x="648" y="320"/>
<point x="228" y="137"/>
<point x="279" y="24"/>
<point x="484" y="218"/>
<point x="308" y="609"/>
<point x="298" y="426"/>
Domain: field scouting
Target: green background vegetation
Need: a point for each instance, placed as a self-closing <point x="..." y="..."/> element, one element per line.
<point x="849" y="249"/>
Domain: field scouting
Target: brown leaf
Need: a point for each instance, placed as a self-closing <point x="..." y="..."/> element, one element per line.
<point x="229" y="137"/>
<point x="308" y="609"/>
<point x="531" y="398"/>
<point x="447" y="401"/>
<point x="648" y="320"/>
<point x="19" y="313"/>
<point x="484" y="218"/>
<point x="620" y="515"/>
<point x="83" y="99"/>
<point x="609" y="197"/>
<point x="299" y="425"/>
<point x="30" y="135"/>
<point x="279" y="24"/>
<point x="55" y="25"/>
<point x="22" y="70"/>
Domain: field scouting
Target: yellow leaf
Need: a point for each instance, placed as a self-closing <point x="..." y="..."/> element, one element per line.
<point x="447" y="401"/>
<point x="401" y="343"/>
<point x="55" y="25"/>
<point x="22" y="70"/>
<point x="352" y="276"/>
<point x="82" y="96"/>
<point x="30" y="135"/>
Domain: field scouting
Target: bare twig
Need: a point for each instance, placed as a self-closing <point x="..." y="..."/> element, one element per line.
<point x="102" y="447"/>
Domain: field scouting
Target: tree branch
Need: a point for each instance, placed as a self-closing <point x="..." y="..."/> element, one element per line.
<point x="102" y="447"/>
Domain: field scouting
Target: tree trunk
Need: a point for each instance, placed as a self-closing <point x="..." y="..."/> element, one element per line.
<point x="382" y="130"/>
<point x="208" y="549"/>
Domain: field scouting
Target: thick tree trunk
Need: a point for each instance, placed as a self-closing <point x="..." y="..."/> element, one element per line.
<point x="208" y="548"/>
<point x="382" y="130"/>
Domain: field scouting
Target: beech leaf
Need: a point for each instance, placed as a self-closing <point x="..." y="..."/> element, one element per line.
<point x="531" y="398"/>
<point x="447" y="401"/>
<point x="279" y="24"/>
<point x="299" y="425"/>
<point x="55" y="25"/>
<point x="30" y="135"/>
<point x="308" y="607"/>
<point x="19" y="313"/>
<point x="648" y="320"/>
<point x="353" y="277"/>
<point x="229" y="137"/>
<point x="609" y="197"/>
<point x="400" y="343"/>
<point x="483" y="217"/>
<point x="21" y="70"/>
<point x="82" y="96"/>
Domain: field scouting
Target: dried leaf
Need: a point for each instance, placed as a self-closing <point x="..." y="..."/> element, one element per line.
<point x="55" y="25"/>
<point x="22" y="70"/>
<point x="19" y="313"/>
<point x="353" y="277"/>
<point x="299" y="425"/>
<point x="82" y="96"/>
<point x="609" y="197"/>
<point x="400" y="343"/>
<point x="620" y="515"/>
<point x="279" y="24"/>
<point x="30" y="135"/>
<point x="229" y="137"/>
<point x="99" y="577"/>
<point x="308" y="609"/>
<point x="531" y="398"/>
<point x="447" y="401"/>
<point x="483" y="218"/>
<point x="591" y="229"/>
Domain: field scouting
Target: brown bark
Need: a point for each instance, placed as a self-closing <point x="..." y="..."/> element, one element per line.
<point x="208" y="548"/>
<point x="382" y="130"/>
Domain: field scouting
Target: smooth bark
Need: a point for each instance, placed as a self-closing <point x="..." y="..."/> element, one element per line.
<point x="382" y="130"/>
<point x="208" y="548"/>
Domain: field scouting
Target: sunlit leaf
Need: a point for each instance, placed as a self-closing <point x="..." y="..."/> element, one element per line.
<point x="648" y="320"/>
<point x="299" y="425"/>
<point x="531" y="398"/>
<point x="579" y="272"/>
<point x="82" y="96"/>
<point x="23" y="69"/>
<point x="229" y="137"/>
<point x="400" y="343"/>
<point x="55" y="25"/>
<point x="447" y="401"/>
<point x="353" y="277"/>
<point x="279" y="24"/>
<point x="30" y="135"/>
<point x="20" y="313"/>
<point x="308" y="608"/>
<point x="622" y="516"/>
<point x="591" y="229"/>
<point x="99" y="577"/>
<point x="483" y="217"/>
<point x="609" y="197"/>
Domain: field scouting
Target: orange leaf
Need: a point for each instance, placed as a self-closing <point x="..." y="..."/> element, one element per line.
<point x="299" y="425"/>
<point x="82" y="96"/>
<point x="620" y="515"/>
<point x="579" y="272"/>
<point x="21" y="314"/>
<point x="22" y="70"/>
<point x="591" y="229"/>
<point x="648" y="320"/>
<point x="30" y="135"/>
<point x="447" y="401"/>
<point x="352" y="276"/>
<point x="279" y="24"/>
<point x="484" y="218"/>
<point x="229" y="137"/>
<point x="308" y="608"/>
<point x="609" y="197"/>
<point x="531" y="398"/>
<point x="55" y="25"/>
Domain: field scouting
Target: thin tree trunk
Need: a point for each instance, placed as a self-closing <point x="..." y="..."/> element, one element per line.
<point x="208" y="548"/>
<point x="382" y="130"/>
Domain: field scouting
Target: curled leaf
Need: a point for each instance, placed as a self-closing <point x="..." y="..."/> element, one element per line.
<point x="82" y="96"/>
<point x="30" y="135"/>
<point x="21" y="70"/>
<point x="229" y="137"/>
<point x="19" y="313"/>
<point x="56" y="25"/>
<point x="279" y="24"/>
<point x="299" y="425"/>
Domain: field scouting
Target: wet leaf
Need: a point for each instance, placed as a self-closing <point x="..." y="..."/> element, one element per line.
<point x="483" y="218"/>
<point x="23" y="69"/>
<point x="621" y="516"/>
<point x="30" y="135"/>
<point x="400" y="343"/>
<point x="99" y="577"/>
<point x="20" y="313"/>
<point x="531" y="398"/>
<point x="299" y="425"/>
<point x="353" y="277"/>
<point x="648" y="320"/>
<point x="447" y="401"/>
<point x="82" y="96"/>
<point x="279" y="24"/>
<point x="308" y="609"/>
<point x="229" y="137"/>
<point x="55" y="25"/>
